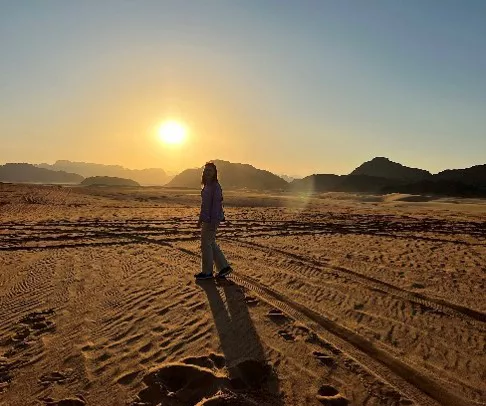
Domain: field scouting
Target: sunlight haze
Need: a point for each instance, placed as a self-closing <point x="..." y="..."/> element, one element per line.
<point x="292" y="87"/>
<point x="172" y="132"/>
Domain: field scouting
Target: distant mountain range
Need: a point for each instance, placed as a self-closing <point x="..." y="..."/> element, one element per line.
<point x="380" y="175"/>
<point x="149" y="177"/>
<point x="22" y="172"/>
<point x="232" y="176"/>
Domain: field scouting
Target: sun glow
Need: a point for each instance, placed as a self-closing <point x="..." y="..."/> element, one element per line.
<point x="172" y="132"/>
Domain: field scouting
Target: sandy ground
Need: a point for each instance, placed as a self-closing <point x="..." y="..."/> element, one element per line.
<point x="337" y="299"/>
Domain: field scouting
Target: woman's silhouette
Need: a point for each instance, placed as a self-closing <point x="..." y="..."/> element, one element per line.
<point x="209" y="218"/>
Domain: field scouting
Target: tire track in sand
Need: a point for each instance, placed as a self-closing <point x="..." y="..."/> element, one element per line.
<point x="412" y="383"/>
<point x="371" y="356"/>
<point x="477" y="318"/>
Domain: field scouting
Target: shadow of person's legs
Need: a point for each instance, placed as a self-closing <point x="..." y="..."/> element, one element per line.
<point x="229" y="341"/>
<point x="245" y="357"/>
<point x="247" y="340"/>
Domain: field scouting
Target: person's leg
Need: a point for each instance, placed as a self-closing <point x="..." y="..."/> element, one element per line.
<point x="219" y="258"/>
<point x="207" y="239"/>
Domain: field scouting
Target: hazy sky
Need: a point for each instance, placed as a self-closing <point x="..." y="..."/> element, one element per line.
<point x="296" y="87"/>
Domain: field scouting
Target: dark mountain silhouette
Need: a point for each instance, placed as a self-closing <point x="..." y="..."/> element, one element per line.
<point x="469" y="182"/>
<point x="108" y="181"/>
<point x="27" y="173"/>
<point x="152" y="176"/>
<point x="381" y="167"/>
<point x="475" y="175"/>
<point x="364" y="183"/>
<point x="344" y="183"/>
<point x="232" y="176"/>
<point x="380" y="175"/>
<point x="315" y="183"/>
<point x="438" y="187"/>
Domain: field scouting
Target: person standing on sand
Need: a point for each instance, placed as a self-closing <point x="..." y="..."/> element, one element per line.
<point x="209" y="218"/>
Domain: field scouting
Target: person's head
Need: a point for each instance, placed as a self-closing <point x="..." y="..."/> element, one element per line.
<point x="210" y="174"/>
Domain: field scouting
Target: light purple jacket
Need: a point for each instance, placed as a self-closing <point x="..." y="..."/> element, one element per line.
<point x="211" y="203"/>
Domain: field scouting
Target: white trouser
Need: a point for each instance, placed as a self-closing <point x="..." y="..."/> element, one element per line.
<point x="210" y="250"/>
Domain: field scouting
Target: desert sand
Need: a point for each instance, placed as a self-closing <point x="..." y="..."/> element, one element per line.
<point x="336" y="299"/>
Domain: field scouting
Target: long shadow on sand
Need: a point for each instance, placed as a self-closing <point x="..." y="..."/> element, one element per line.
<point x="240" y="376"/>
<point x="241" y="346"/>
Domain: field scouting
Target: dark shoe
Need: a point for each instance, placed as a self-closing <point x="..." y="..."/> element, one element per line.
<point x="225" y="272"/>
<point x="201" y="276"/>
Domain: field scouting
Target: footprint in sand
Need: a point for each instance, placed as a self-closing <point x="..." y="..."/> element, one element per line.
<point x="32" y="325"/>
<point x="324" y="359"/>
<point x="128" y="378"/>
<point x="254" y="374"/>
<point x="277" y="316"/>
<point x="286" y="335"/>
<point x="5" y="373"/>
<point x="171" y="382"/>
<point x="329" y="395"/>
<point x="251" y="301"/>
<point x="146" y="348"/>
<point x="26" y="333"/>
<point x="38" y="322"/>
<point x="21" y="334"/>
<point x="54" y="377"/>
<point x="203" y="379"/>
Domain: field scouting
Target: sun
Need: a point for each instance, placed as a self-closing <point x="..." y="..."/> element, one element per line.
<point x="172" y="132"/>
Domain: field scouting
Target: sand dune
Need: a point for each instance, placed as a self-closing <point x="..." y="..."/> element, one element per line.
<point x="336" y="299"/>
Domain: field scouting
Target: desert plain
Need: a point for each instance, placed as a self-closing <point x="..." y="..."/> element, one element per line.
<point x="335" y="299"/>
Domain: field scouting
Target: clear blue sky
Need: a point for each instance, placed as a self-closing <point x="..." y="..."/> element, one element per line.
<point x="296" y="87"/>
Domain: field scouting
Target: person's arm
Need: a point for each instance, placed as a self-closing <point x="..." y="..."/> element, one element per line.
<point x="206" y="203"/>
<point x="216" y="204"/>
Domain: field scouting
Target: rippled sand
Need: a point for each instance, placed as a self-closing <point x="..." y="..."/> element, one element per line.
<point x="336" y="299"/>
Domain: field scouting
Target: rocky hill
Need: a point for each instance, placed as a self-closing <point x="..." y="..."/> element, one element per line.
<point x="381" y="167"/>
<point x="27" y="173"/>
<point x="475" y="175"/>
<point x="232" y="176"/>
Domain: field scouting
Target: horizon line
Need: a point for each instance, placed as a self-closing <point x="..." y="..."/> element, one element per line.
<point x="277" y="173"/>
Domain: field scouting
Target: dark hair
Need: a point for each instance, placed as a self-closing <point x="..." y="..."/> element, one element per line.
<point x="215" y="178"/>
